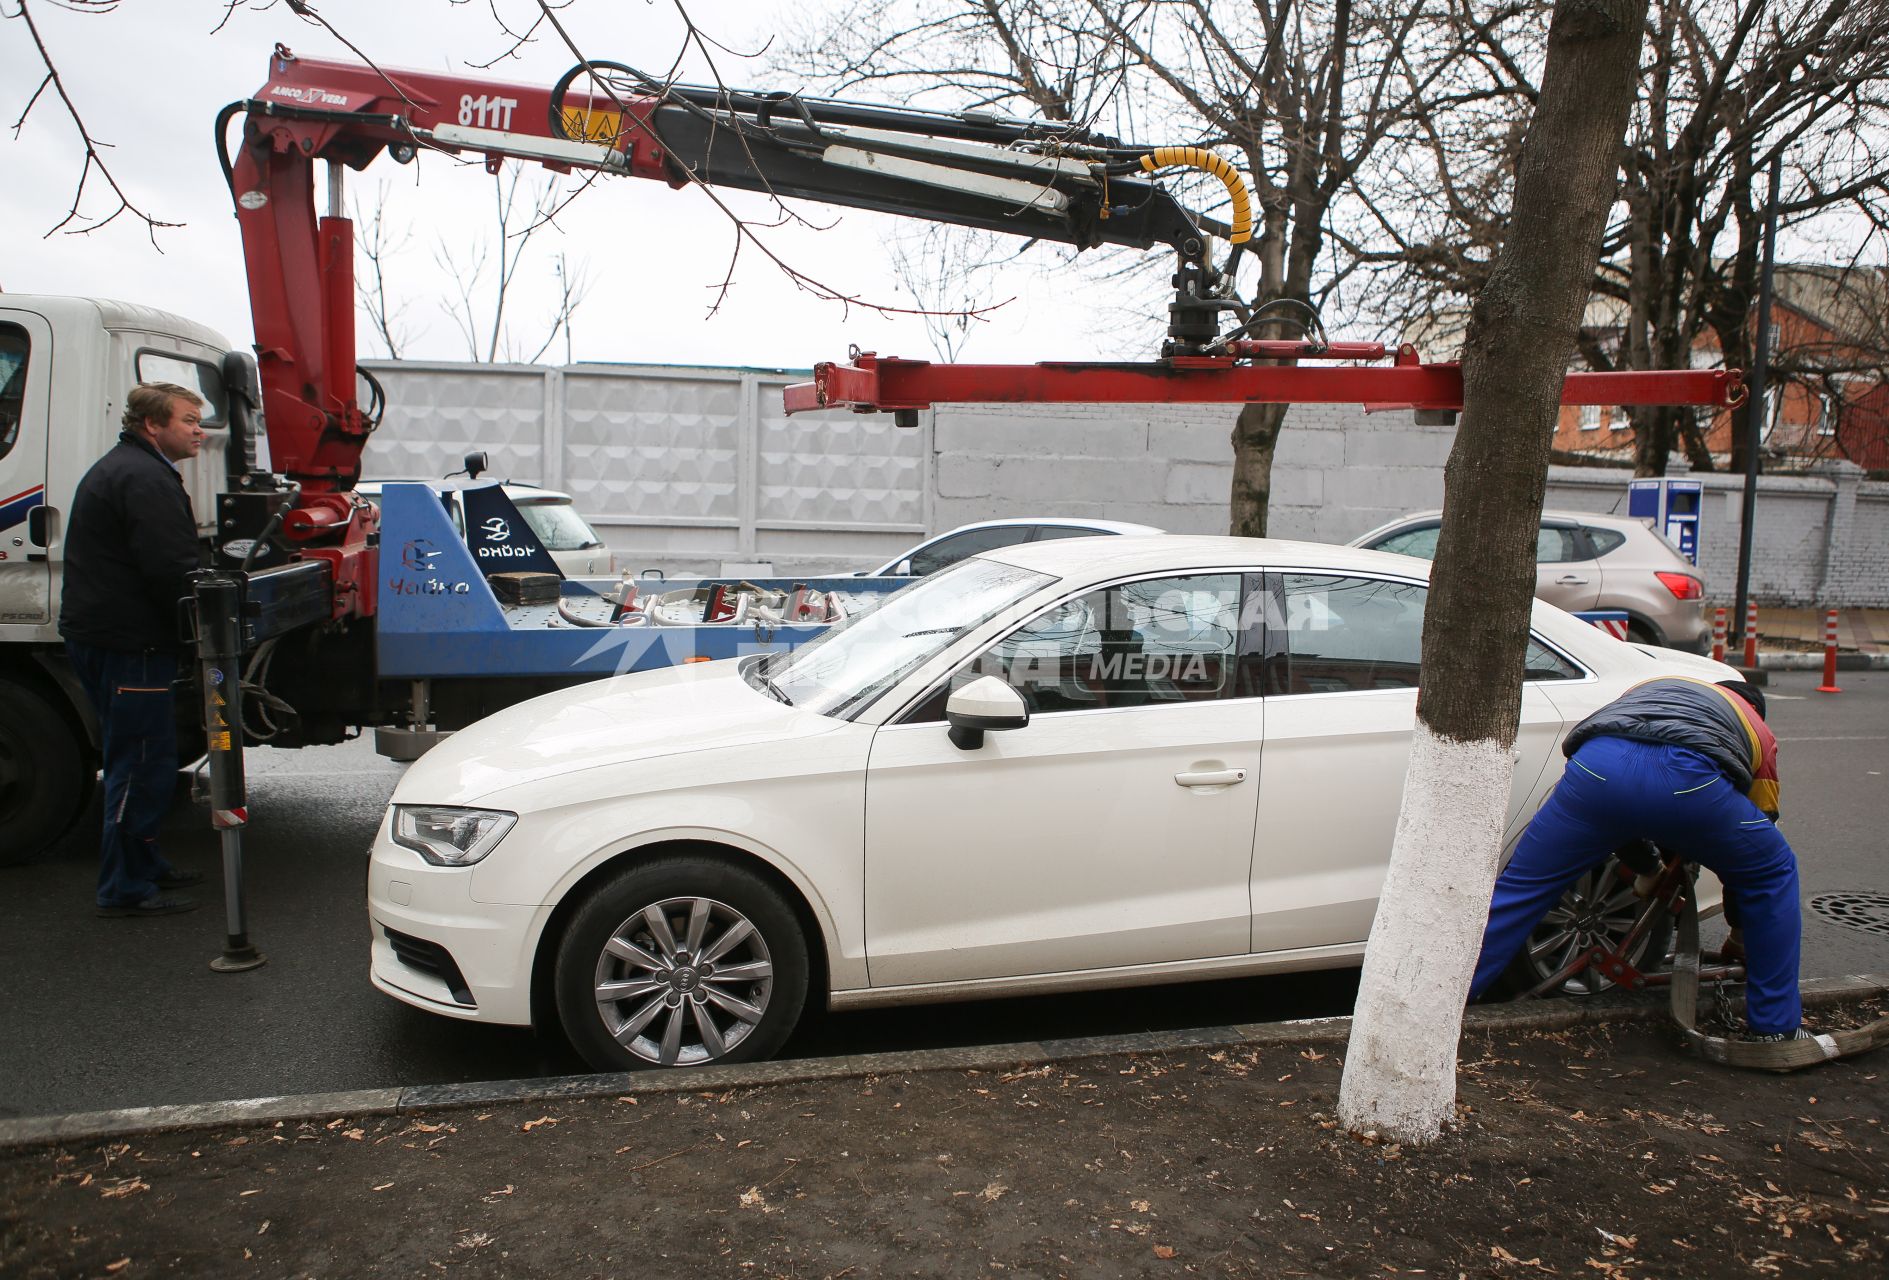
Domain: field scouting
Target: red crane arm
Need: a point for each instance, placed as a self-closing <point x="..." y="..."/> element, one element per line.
<point x="1028" y="178"/>
<point x="872" y="383"/>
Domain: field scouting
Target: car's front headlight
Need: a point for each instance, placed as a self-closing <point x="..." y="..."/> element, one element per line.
<point x="450" y="837"/>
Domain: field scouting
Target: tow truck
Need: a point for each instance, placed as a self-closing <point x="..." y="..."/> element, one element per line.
<point x="359" y="616"/>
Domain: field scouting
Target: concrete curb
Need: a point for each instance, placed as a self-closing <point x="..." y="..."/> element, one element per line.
<point x="1814" y="661"/>
<point x="91" y="1126"/>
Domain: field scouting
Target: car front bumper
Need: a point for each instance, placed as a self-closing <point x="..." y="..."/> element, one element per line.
<point x="437" y="949"/>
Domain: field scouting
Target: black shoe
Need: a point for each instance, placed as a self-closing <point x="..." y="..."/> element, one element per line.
<point x="158" y="904"/>
<point x="180" y="879"/>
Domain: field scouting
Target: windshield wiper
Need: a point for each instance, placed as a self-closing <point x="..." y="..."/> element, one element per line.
<point x="755" y="673"/>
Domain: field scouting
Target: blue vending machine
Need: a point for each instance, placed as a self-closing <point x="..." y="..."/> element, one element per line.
<point x="1673" y="507"/>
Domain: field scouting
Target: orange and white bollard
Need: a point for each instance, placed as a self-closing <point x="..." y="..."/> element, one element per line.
<point x="1718" y="635"/>
<point x="1829" y="684"/>
<point x="1751" y="635"/>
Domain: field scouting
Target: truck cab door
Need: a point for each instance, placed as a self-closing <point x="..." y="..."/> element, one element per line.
<point x="29" y="528"/>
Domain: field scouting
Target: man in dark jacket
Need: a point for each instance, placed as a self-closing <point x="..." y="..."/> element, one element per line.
<point x="1691" y="766"/>
<point x="130" y="543"/>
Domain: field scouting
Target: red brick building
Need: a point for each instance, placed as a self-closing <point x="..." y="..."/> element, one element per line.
<point x="1829" y="392"/>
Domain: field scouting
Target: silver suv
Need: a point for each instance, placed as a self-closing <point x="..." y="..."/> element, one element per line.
<point x="1585" y="561"/>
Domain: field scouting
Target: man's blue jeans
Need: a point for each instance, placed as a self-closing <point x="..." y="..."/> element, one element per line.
<point x="1616" y="790"/>
<point x="131" y="692"/>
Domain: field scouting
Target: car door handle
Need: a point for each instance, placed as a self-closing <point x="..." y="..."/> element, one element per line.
<point x="1211" y="778"/>
<point x="1570" y="580"/>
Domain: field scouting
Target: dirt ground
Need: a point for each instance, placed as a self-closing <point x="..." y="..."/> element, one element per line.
<point x="1593" y="1152"/>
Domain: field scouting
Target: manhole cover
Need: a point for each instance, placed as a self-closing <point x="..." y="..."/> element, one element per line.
<point x="1866" y="911"/>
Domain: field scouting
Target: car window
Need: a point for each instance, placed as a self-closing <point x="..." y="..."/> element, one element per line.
<point x="1150" y="642"/>
<point x="1543" y="663"/>
<point x="1603" y="540"/>
<point x="1557" y="546"/>
<point x="14" y="349"/>
<point x="1054" y="532"/>
<point x="1420" y="542"/>
<point x="558" y="526"/>
<point x="950" y="550"/>
<point x="204" y="379"/>
<point x="1346" y="634"/>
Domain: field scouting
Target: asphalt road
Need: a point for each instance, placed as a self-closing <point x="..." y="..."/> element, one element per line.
<point x="114" y="1013"/>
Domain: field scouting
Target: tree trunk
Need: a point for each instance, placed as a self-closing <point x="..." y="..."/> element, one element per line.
<point x="1400" y="1072"/>
<point x="1255" y="438"/>
<point x="1652" y="442"/>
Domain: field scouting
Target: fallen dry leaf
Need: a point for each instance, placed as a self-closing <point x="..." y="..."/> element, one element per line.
<point x="1497" y="1252"/>
<point x="1163" y="1251"/>
<point x="994" y="1191"/>
<point x="529" y="1125"/>
<point x="119" y="1265"/>
<point x="124" y="1187"/>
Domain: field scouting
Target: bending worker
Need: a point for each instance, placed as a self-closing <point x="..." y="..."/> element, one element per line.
<point x="1692" y="767"/>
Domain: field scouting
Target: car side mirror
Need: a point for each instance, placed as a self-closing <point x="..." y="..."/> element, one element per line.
<point x="903" y="569"/>
<point x="986" y="703"/>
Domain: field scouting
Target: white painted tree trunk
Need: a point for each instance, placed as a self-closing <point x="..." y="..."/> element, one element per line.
<point x="1400" y="1072"/>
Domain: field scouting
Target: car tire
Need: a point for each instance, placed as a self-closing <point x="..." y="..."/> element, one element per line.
<point x="1600" y="907"/>
<point x="44" y="780"/>
<point x="681" y="962"/>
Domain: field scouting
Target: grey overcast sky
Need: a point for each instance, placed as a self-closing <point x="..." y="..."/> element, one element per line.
<point x="150" y="77"/>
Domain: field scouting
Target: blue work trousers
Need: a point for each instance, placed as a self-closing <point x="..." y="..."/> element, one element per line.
<point x="131" y="692"/>
<point x="1616" y="790"/>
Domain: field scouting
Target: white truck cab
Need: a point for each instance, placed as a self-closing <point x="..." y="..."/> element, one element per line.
<point x="65" y="366"/>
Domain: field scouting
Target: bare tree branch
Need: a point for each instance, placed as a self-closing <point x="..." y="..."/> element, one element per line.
<point x="94" y="159"/>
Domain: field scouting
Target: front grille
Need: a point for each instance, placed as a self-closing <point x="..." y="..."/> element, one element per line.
<point x="430" y="957"/>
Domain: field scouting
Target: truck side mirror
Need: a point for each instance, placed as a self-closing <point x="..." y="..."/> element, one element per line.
<point x="983" y="705"/>
<point x="903" y="569"/>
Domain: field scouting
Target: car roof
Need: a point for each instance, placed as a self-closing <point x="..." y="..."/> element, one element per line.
<point x="1067" y="522"/>
<point x="1198" y="552"/>
<point x="1551" y="516"/>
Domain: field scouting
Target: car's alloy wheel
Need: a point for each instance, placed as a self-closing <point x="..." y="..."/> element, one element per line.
<point x="681" y="963"/>
<point x="1598" y="910"/>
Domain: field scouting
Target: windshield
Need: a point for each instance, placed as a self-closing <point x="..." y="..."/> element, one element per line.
<point x="853" y="662"/>
<point x="558" y="526"/>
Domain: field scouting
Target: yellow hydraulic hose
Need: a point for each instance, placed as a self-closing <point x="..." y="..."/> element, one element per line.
<point x="1200" y="158"/>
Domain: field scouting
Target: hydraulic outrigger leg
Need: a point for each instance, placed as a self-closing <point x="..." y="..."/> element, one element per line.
<point x="217" y="607"/>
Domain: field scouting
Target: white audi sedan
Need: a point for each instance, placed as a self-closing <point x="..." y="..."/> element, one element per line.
<point x="1083" y="763"/>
